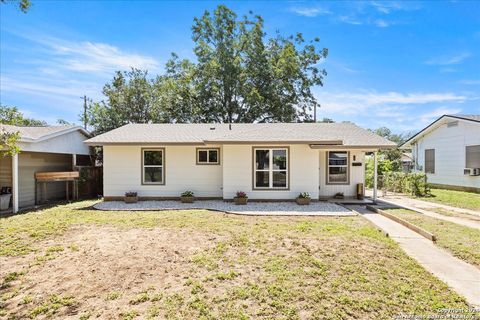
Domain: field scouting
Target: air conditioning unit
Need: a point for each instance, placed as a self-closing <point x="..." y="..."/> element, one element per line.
<point x="471" y="171"/>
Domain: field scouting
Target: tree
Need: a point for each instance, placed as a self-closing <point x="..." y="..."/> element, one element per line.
<point x="12" y="116"/>
<point x="23" y="5"/>
<point x="243" y="77"/>
<point x="131" y="98"/>
<point x="392" y="155"/>
<point x="9" y="139"/>
<point x="327" y="120"/>
<point x="64" y="122"/>
<point x="239" y="75"/>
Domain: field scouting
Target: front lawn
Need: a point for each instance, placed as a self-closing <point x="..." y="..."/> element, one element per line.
<point x="459" y="199"/>
<point x="461" y="241"/>
<point x="72" y="262"/>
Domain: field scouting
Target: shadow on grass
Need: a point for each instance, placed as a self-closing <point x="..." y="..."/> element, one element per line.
<point x="48" y="206"/>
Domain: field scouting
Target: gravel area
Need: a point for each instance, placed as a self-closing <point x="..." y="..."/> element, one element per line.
<point x="252" y="208"/>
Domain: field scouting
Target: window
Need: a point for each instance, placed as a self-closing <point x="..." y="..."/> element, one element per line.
<point x="82" y="160"/>
<point x="337" y="167"/>
<point x="270" y="168"/>
<point x="208" y="156"/>
<point x="429" y="160"/>
<point x="472" y="156"/>
<point x="153" y="168"/>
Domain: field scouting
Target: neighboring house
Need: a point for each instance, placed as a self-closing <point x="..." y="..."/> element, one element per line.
<point x="42" y="149"/>
<point x="407" y="161"/>
<point x="274" y="161"/>
<point x="448" y="151"/>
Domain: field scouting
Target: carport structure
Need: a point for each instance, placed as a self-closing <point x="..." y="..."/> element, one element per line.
<point x="42" y="149"/>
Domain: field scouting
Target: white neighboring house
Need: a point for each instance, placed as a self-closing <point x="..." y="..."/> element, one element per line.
<point x="448" y="151"/>
<point x="272" y="161"/>
<point x="42" y="149"/>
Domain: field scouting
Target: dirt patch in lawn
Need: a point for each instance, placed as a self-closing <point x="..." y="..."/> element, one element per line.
<point x="70" y="263"/>
<point x="100" y="268"/>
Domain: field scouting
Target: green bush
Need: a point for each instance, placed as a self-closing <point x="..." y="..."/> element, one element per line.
<point x="383" y="167"/>
<point x="410" y="183"/>
<point x="396" y="181"/>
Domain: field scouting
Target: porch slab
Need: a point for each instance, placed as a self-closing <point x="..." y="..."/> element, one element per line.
<point x="349" y="201"/>
<point x="252" y="208"/>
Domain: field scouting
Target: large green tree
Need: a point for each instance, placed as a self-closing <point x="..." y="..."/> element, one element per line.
<point x="244" y="77"/>
<point x="239" y="75"/>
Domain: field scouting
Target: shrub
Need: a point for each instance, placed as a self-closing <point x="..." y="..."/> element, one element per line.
<point x="130" y="194"/>
<point x="409" y="183"/>
<point x="187" y="193"/>
<point x="241" y="194"/>
<point x="304" y="195"/>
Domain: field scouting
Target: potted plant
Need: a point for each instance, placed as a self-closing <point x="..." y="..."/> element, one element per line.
<point x="187" y="197"/>
<point x="130" y="197"/>
<point x="303" y="199"/>
<point x="339" y="195"/>
<point x="241" y="198"/>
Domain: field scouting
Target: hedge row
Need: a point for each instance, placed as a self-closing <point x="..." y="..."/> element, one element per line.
<point x="409" y="183"/>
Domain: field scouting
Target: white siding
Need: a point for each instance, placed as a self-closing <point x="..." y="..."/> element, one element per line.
<point x="72" y="142"/>
<point x="238" y="175"/>
<point x="123" y="172"/>
<point x="449" y="145"/>
<point x="357" y="175"/>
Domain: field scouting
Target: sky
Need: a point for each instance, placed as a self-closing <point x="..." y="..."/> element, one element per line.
<point x="395" y="64"/>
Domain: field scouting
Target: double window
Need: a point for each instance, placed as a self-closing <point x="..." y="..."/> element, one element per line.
<point x="472" y="156"/>
<point x="337" y="167"/>
<point x="270" y="168"/>
<point x="208" y="156"/>
<point x="153" y="166"/>
<point x="429" y="160"/>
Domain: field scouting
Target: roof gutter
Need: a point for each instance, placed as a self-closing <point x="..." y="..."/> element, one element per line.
<point x="350" y="147"/>
<point x="326" y="142"/>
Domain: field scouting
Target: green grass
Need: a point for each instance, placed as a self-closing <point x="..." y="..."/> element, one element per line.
<point x="459" y="199"/>
<point x="251" y="267"/>
<point x="451" y="213"/>
<point x="461" y="241"/>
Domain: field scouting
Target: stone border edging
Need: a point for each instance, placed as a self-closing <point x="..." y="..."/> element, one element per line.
<point x="331" y="214"/>
<point x="422" y="232"/>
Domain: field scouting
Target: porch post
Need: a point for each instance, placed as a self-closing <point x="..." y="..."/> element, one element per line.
<point x="15" y="183"/>
<point x="375" y="176"/>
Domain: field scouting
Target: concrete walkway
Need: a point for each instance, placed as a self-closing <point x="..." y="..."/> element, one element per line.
<point x="459" y="275"/>
<point x="417" y="205"/>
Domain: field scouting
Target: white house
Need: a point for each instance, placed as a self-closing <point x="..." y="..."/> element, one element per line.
<point x="42" y="149"/>
<point x="448" y="151"/>
<point x="274" y="161"/>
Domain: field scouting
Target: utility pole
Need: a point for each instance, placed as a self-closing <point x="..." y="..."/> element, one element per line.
<point x="315" y="113"/>
<point x="85" y="112"/>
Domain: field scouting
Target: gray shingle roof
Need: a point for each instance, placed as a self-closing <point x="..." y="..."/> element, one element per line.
<point x="37" y="133"/>
<point x="474" y="117"/>
<point x="348" y="133"/>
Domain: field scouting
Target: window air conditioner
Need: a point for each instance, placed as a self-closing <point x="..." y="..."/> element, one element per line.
<point x="471" y="171"/>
